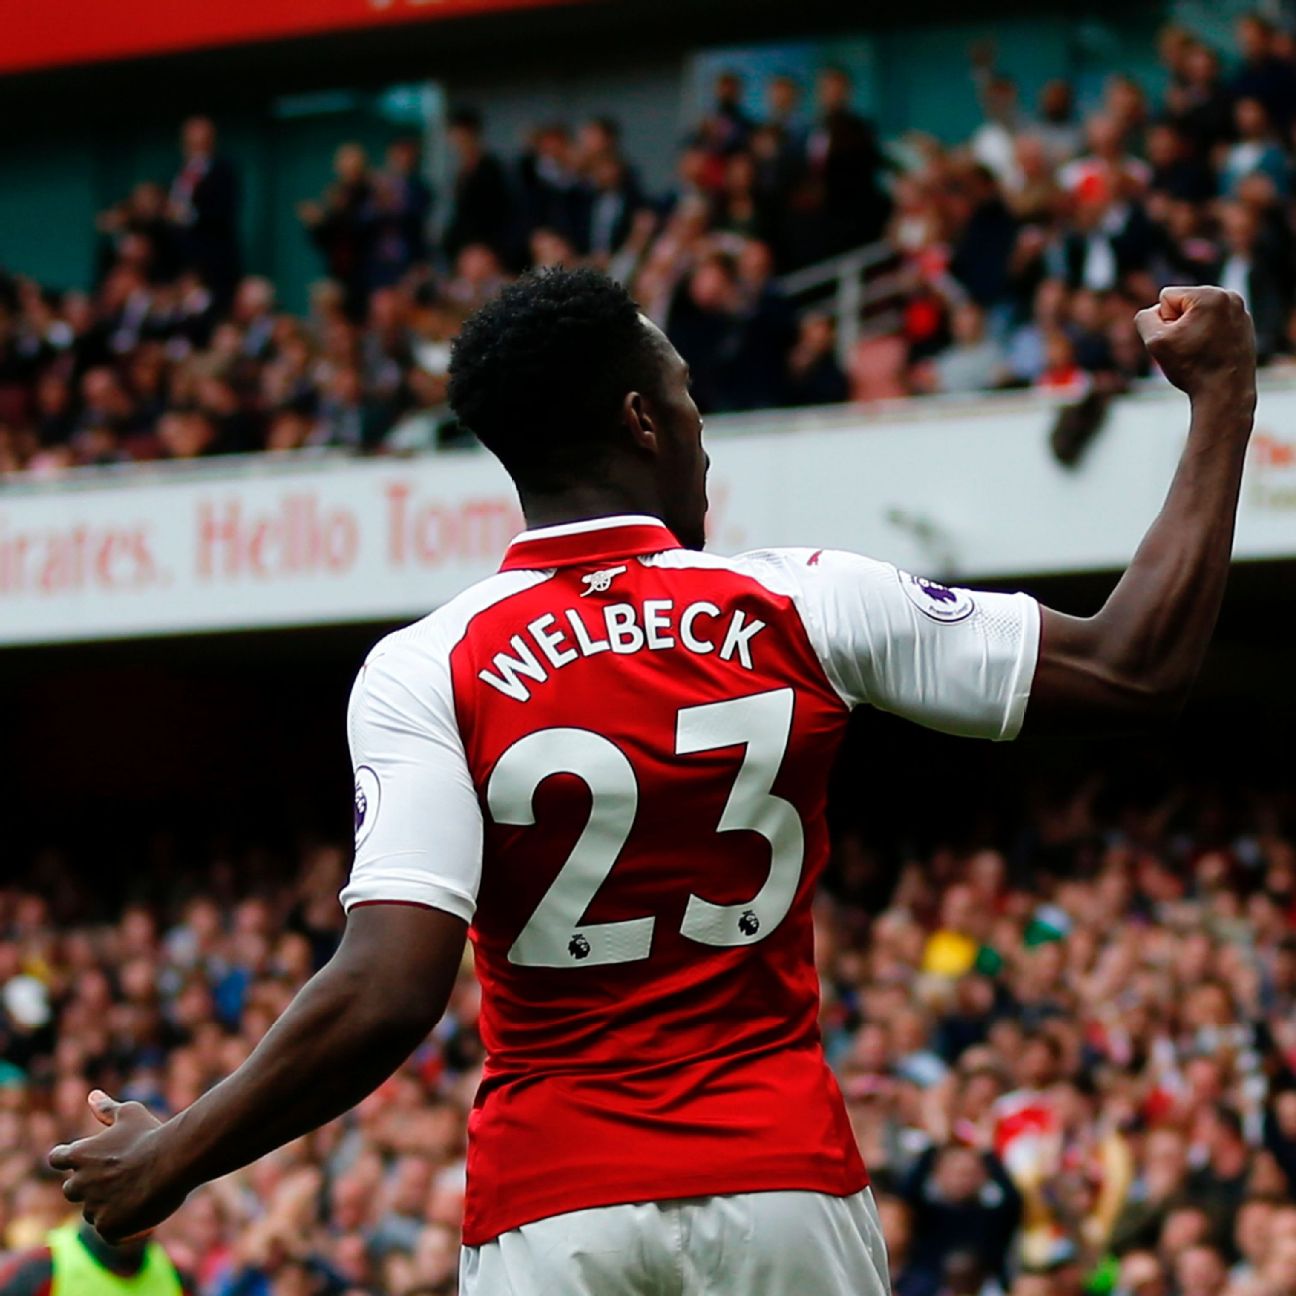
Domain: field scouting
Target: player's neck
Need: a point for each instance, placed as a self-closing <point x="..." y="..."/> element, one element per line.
<point x="581" y="503"/>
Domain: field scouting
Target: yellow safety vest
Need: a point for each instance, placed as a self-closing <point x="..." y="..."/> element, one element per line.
<point x="78" y="1273"/>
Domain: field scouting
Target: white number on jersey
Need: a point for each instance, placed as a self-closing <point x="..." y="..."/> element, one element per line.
<point x="551" y="938"/>
<point x="554" y="935"/>
<point x="764" y="723"/>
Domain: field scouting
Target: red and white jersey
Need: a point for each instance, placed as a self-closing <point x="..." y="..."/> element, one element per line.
<point x="612" y="759"/>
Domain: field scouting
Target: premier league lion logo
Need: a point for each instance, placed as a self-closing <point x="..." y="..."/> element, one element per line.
<point x="935" y="600"/>
<point x="368" y="792"/>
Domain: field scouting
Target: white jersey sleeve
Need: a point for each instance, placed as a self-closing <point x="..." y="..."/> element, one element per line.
<point x="957" y="660"/>
<point x="417" y="818"/>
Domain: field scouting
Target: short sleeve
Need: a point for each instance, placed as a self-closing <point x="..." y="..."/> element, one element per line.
<point x="417" y="818"/>
<point x="961" y="661"/>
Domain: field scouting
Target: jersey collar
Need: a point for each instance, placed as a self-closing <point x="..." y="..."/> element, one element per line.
<point x="593" y="541"/>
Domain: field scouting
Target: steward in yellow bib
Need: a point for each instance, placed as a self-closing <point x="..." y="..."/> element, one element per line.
<point x="76" y="1261"/>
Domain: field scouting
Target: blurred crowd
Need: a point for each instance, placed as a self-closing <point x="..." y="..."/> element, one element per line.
<point x="1069" y="1063"/>
<point x="1015" y="259"/>
<point x="1027" y="252"/>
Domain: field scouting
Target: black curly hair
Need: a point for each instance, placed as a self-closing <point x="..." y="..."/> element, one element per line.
<point x="539" y="373"/>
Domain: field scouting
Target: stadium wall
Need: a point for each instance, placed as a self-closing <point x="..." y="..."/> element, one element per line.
<point x="969" y="491"/>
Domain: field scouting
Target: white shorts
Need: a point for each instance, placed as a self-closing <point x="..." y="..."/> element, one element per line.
<point x="749" y="1244"/>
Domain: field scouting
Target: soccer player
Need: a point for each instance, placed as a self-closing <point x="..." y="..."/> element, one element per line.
<point x="611" y="760"/>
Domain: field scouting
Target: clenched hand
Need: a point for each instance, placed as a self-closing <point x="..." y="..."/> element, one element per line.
<point x="1204" y="342"/>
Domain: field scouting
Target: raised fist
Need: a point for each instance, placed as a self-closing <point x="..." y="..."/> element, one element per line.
<point x="1203" y="340"/>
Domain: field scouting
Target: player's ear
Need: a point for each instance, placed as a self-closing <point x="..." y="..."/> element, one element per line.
<point x="639" y="422"/>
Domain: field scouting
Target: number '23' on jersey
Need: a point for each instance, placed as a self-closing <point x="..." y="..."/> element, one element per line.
<point x="612" y="759"/>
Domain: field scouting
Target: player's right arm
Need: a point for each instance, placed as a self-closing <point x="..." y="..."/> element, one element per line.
<point x="1136" y="660"/>
<point x="412" y="892"/>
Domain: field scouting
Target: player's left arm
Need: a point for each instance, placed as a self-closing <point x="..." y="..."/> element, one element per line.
<point x="346" y="1031"/>
<point x="411" y="895"/>
<point x="957" y="660"/>
<point x="1135" y="661"/>
<point x="968" y="662"/>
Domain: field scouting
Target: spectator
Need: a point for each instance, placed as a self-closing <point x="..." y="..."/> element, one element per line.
<point x="1252" y="1240"/>
<point x="1107" y="163"/>
<point x="1185" y="250"/>
<point x="814" y="376"/>
<point x="739" y="208"/>
<point x="1242" y="269"/>
<point x="203" y="205"/>
<point x="994" y="143"/>
<point x="348" y="416"/>
<point x="1219" y="1186"/>
<point x="186" y="434"/>
<point x="963" y="1203"/>
<point x="340" y="224"/>
<point x="705" y="326"/>
<point x="1176" y="171"/>
<point x="842" y="192"/>
<point x="1280" y="1132"/>
<point x="1034" y="195"/>
<point x="1257" y="150"/>
<point x="253" y="312"/>
<point x="1174" y="48"/>
<point x="726" y="128"/>
<point x="1126" y="104"/>
<point x="1141" y="1274"/>
<point x="143" y="216"/>
<point x="406" y="201"/>
<point x="478" y="275"/>
<point x="595" y="138"/>
<point x="1110" y="240"/>
<point x="1265" y="74"/>
<point x="878" y="369"/>
<point x="401" y="205"/>
<point x="1200" y="104"/>
<point x="1056" y="125"/>
<point x="1200" y="1271"/>
<point x="897" y="1231"/>
<point x="550" y="183"/>
<point x="973" y="363"/>
<point x="783" y="112"/>
<point x="55" y="418"/>
<point x="769" y="331"/>
<point x="609" y="209"/>
<point x="985" y="239"/>
<point x="483" y="209"/>
<point x="1061" y="375"/>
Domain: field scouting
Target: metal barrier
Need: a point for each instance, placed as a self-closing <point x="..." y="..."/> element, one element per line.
<point x="858" y="282"/>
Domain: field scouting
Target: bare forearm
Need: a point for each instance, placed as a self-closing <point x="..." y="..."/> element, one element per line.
<point x="1160" y="617"/>
<point x="327" y="1052"/>
<point x="347" y="1030"/>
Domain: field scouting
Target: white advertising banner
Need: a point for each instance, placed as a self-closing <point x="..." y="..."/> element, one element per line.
<point x="970" y="491"/>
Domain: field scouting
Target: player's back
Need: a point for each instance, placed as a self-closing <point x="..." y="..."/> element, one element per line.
<point x="621" y="750"/>
<point x="651" y="738"/>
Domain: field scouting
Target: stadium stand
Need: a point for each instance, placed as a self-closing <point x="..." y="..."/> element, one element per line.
<point x="1017" y="259"/>
<point x="1068" y="1058"/>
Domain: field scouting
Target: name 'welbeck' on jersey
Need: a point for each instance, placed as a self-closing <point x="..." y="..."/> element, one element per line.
<point x="655" y="625"/>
